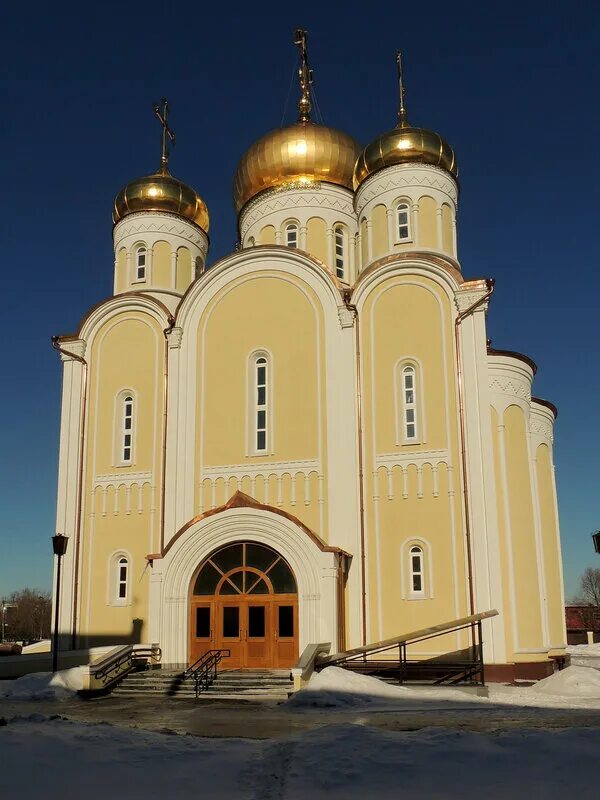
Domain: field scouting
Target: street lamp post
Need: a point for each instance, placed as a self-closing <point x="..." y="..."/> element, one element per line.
<point x="59" y="546"/>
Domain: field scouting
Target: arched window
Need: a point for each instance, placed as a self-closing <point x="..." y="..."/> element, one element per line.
<point x="140" y="264"/>
<point x="127" y="430"/>
<point x="261" y="410"/>
<point x="409" y="403"/>
<point x="403" y="220"/>
<point x="416" y="571"/>
<point x="122" y="578"/>
<point x="291" y="235"/>
<point x="199" y="266"/>
<point x="340" y="251"/>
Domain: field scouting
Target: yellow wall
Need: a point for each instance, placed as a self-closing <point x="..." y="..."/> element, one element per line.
<point x="121" y="267"/>
<point x="252" y="314"/>
<point x="545" y="482"/>
<point x="428" y="236"/>
<point x="126" y="354"/>
<point x="379" y="231"/>
<point x="316" y="239"/>
<point x="524" y="556"/>
<point x="184" y="269"/>
<point x="423" y="331"/>
<point x="447" y="234"/>
<point x="267" y="235"/>
<point x="162" y="266"/>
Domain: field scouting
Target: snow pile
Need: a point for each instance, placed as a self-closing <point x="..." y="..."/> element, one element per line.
<point x="592" y="650"/>
<point x="335" y="686"/>
<point x="571" y="682"/>
<point x="44" y="685"/>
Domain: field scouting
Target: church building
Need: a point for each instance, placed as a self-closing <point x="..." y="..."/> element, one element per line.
<point x="310" y="440"/>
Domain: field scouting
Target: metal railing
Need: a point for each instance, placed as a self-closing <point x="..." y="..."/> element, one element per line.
<point x="122" y="660"/>
<point x="204" y="670"/>
<point x="463" y="666"/>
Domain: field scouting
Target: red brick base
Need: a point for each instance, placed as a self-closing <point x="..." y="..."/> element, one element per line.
<point x="507" y="673"/>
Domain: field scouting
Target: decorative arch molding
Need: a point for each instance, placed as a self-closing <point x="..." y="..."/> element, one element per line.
<point x="257" y="259"/>
<point x="113" y="306"/>
<point x="442" y="271"/>
<point x="315" y="571"/>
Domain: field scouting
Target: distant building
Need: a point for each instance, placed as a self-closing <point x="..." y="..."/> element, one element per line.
<point x="583" y="624"/>
<point x="311" y="440"/>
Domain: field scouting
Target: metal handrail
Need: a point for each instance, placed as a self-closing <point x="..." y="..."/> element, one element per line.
<point x="469" y="669"/>
<point x="204" y="669"/>
<point x="121" y="661"/>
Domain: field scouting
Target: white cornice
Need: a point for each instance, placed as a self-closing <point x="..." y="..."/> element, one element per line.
<point x="405" y="176"/>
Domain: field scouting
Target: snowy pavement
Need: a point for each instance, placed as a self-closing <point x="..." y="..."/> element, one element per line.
<point x="345" y="736"/>
<point x="67" y="759"/>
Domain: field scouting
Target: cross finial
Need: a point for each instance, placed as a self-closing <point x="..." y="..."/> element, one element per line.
<point x="402" y="118"/>
<point x="167" y="133"/>
<point x="306" y="77"/>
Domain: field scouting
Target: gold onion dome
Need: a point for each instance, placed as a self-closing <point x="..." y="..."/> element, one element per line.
<point x="161" y="191"/>
<point x="302" y="153"/>
<point x="404" y="145"/>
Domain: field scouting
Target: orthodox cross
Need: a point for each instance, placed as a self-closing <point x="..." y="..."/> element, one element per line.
<point x="306" y="77"/>
<point x="167" y="133"/>
<point x="402" y="119"/>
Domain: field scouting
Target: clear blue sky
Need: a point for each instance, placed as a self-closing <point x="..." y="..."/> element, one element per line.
<point x="512" y="86"/>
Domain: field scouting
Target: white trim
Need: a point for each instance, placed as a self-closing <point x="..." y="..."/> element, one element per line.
<point x="427" y="572"/>
<point x="406" y="204"/>
<point x="114" y="579"/>
<point x="315" y="572"/>
<point x="400" y="405"/>
<point x="119" y="427"/>
<point x="252" y="407"/>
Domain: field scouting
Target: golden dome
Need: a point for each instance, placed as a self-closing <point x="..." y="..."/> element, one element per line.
<point x="161" y="192"/>
<point x="405" y="145"/>
<point x="301" y="153"/>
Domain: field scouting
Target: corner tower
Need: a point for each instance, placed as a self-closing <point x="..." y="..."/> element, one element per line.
<point x="406" y="184"/>
<point x="293" y="187"/>
<point x="160" y="230"/>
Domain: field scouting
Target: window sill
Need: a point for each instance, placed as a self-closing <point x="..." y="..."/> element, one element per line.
<point x="404" y="241"/>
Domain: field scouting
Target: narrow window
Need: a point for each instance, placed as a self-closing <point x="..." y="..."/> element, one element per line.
<point x="291" y="235"/>
<point x="127" y="429"/>
<point x="340" y="251"/>
<point x="261" y="404"/>
<point x="416" y="570"/>
<point x="403" y="223"/>
<point x="122" y="570"/>
<point x="140" y="264"/>
<point x="409" y="390"/>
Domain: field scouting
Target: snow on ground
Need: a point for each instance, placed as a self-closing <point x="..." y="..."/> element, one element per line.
<point x="335" y="761"/>
<point x="334" y="687"/>
<point x="44" y="685"/>
<point x="572" y="681"/>
<point x="592" y="650"/>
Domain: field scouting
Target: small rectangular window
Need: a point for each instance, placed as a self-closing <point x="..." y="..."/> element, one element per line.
<point x="261" y="440"/>
<point x="231" y="622"/>
<point x="286" y="622"/>
<point x="417" y="583"/>
<point x="256" y="622"/>
<point x="261" y="398"/>
<point x="410" y="431"/>
<point x="203" y="622"/>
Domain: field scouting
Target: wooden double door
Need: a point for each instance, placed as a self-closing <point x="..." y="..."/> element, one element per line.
<point x="244" y="599"/>
<point x="259" y="633"/>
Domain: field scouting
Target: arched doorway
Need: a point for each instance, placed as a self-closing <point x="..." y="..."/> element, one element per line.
<point x="244" y="598"/>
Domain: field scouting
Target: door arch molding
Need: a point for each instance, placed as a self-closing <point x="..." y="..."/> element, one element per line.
<point x="315" y="571"/>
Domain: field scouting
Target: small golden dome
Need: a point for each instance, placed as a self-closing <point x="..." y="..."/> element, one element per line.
<point x="161" y="192"/>
<point x="301" y="153"/>
<point x="405" y="145"/>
